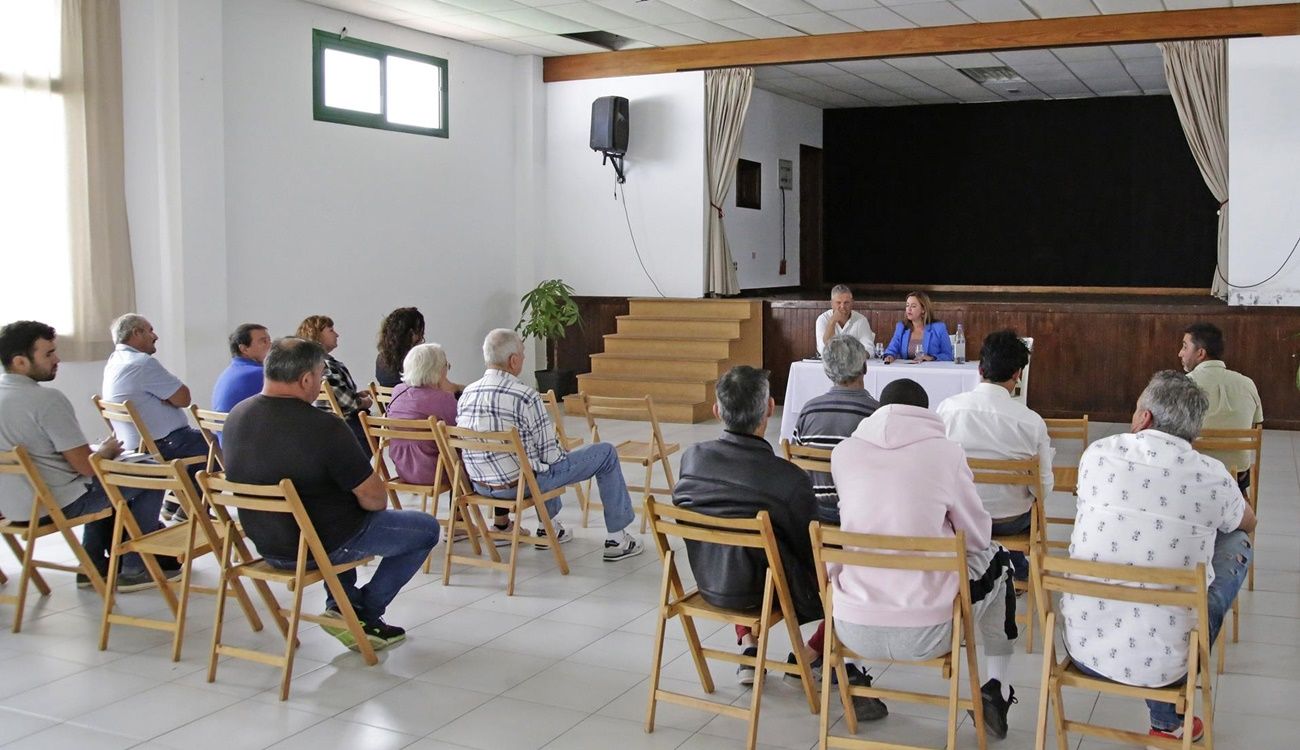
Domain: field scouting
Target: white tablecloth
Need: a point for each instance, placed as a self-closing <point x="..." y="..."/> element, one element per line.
<point x="939" y="379"/>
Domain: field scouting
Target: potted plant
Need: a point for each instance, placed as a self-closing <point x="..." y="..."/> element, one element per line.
<point x="548" y="311"/>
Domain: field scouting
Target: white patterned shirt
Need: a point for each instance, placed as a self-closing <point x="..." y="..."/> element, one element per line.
<point x="1145" y="499"/>
<point x="496" y="403"/>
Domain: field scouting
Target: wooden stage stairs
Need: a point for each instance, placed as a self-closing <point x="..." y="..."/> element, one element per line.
<point x="674" y="350"/>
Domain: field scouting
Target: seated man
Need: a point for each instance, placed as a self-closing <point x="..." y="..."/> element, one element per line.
<point x="988" y="423"/>
<point x="280" y="435"/>
<point x="1234" y="400"/>
<point x="737" y="476"/>
<point x="1146" y="498"/>
<point x="42" y="420"/>
<point x="499" y="401"/>
<point x="834" y="415"/>
<point x="897" y="474"/>
<point x="160" y="398"/>
<point x="242" y="378"/>
<point x="842" y="320"/>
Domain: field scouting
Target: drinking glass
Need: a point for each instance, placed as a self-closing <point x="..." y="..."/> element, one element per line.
<point x="880" y="350"/>
<point x="920" y="352"/>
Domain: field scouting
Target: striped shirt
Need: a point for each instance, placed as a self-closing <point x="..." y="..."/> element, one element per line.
<point x="823" y="423"/>
<point x="496" y="403"/>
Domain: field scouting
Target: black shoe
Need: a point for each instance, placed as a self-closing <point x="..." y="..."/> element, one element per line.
<point x="83" y="580"/>
<point x="383" y="635"/>
<point x="996" y="708"/>
<point x="864" y="708"/>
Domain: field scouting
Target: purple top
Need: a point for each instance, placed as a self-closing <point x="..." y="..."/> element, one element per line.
<point x="417" y="460"/>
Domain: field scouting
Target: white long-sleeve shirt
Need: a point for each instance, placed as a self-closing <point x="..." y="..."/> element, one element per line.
<point x="857" y="327"/>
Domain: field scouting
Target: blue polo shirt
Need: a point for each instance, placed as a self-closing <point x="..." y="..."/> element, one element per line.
<point x="241" y="380"/>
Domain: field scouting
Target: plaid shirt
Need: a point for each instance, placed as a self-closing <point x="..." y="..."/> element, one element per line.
<point x="344" y="387"/>
<point x="496" y="403"/>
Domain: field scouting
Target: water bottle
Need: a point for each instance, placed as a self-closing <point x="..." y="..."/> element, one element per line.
<point x="959" y="346"/>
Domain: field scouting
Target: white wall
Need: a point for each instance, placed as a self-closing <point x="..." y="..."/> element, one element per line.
<point x="586" y="238"/>
<point x="1264" y="168"/>
<point x="774" y="128"/>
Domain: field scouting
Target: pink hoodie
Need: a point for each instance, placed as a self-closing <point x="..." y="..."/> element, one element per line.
<point x="898" y="475"/>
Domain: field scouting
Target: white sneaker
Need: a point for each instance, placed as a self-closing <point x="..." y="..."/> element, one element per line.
<point x="508" y="529"/>
<point x="562" y="535"/>
<point x="629" y="547"/>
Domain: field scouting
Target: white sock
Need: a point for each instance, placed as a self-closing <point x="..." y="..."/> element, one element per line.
<point x="998" y="667"/>
<point x="615" y="536"/>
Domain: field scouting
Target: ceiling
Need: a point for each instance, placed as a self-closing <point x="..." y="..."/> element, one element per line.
<point x="534" y="27"/>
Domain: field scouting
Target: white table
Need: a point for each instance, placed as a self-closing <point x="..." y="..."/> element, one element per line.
<point x="939" y="379"/>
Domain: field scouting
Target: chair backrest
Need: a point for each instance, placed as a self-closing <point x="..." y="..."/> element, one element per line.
<point x="936" y="554"/>
<point x="125" y="413"/>
<point x="1021" y="392"/>
<point x="1019" y="472"/>
<point x="807" y="457"/>
<point x="326" y="395"/>
<point x="382" y="395"/>
<point x="553" y="409"/>
<point x="381" y="431"/>
<point x="222" y="495"/>
<point x="18" y="462"/>
<point x="211" y="423"/>
<point x="1212" y="440"/>
<point x="164" y="477"/>
<point x="1068" y="429"/>
<point x="501" y="443"/>
<point x="629" y="408"/>
<point x="1173" y="587"/>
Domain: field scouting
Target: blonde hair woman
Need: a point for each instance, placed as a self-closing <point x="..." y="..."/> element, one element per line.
<point x="320" y="328"/>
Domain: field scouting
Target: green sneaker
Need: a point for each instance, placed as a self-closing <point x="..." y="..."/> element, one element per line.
<point x="380" y="634"/>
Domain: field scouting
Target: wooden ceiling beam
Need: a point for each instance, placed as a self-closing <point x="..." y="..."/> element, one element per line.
<point x="1126" y="28"/>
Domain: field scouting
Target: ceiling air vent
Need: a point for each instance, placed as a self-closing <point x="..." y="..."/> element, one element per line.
<point x="985" y="76"/>
<point x="602" y="39"/>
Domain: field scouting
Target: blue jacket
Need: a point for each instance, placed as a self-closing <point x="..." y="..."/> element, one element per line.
<point x="937" y="343"/>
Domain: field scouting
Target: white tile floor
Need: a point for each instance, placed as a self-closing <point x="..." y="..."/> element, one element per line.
<point x="562" y="664"/>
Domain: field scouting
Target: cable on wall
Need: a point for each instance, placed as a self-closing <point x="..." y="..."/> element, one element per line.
<point x="1270" y="276"/>
<point x="618" y="187"/>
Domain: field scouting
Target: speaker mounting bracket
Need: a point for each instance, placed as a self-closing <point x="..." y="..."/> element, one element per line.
<point x="617" y="161"/>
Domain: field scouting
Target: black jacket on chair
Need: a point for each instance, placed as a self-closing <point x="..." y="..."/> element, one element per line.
<point x="736" y="476"/>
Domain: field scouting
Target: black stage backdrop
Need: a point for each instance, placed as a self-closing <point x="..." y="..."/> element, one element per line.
<point x="1086" y="192"/>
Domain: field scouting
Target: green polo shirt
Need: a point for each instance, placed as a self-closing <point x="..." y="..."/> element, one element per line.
<point x="1234" y="405"/>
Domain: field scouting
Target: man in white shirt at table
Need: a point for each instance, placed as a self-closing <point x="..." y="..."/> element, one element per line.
<point x="841" y="320"/>
<point x="988" y="423"/>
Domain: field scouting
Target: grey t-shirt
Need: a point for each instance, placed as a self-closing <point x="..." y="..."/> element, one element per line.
<point x="42" y="421"/>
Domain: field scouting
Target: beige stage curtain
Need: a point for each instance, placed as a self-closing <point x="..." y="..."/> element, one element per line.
<point x="1197" y="72"/>
<point x="726" y="98"/>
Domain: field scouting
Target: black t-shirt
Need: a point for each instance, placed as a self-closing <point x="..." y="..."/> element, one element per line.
<point x="384" y="376"/>
<point x="267" y="439"/>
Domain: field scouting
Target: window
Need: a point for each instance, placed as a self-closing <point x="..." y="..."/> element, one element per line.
<point x="749" y="184"/>
<point x="35" y="248"/>
<point x="374" y="86"/>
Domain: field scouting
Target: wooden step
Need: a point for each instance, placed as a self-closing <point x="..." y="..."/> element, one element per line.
<point x="628" y="343"/>
<point x="725" y="309"/>
<point x="675" y="327"/>
<point x="636" y="386"/>
<point x="658" y="366"/>
<point x="677" y="412"/>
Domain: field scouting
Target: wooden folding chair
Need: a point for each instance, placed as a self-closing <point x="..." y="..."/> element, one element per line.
<point x="468" y="502"/>
<point x="211" y="424"/>
<point x="380" y="432"/>
<point x="382" y="395"/>
<point x="327" y="397"/>
<point x="645" y="453"/>
<point x="1170" y="587"/>
<point x="46" y="518"/>
<point x="1066" y="478"/>
<point x="807" y="457"/>
<point x="126" y="413"/>
<point x="834" y="547"/>
<point x="569" y="442"/>
<point x="1250" y="439"/>
<point x="193" y="538"/>
<point x="312" y="566"/>
<point x="1018" y="473"/>
<point x="674" y="601"/>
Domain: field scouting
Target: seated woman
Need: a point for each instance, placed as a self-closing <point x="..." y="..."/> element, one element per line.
<point x="919" y="328"/>
<point x="320" y="328"/>
<point x="402" y="329"/>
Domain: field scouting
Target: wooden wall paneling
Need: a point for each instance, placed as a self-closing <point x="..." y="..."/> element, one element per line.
<point x="599" y="317"/>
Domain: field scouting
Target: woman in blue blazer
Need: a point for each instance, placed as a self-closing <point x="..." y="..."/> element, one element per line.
<point x="919" y="327"/>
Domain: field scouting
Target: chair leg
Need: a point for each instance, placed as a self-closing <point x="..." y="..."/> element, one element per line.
<point x="760" y="674"/>
<point x="457" y="508"/>
<point x="291" y="643"/>
<point x="824" y="721"/>
<point x="1222" y="646"/>
<point x="661" y="624"/>
<point x="25" y="576"/>
<point x="183" y="605"/>
<point x="223" y="579"/>
<point x="645" y="492"/>
<point x="954" y="683"/>
<point x="973" y="676"/>
<point x="19" y="555"/>
<point x="514" y="550"/>
<point x="1044" y="694"/>
<point x="110" y="591"/>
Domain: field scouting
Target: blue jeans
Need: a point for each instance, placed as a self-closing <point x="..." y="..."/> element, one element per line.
<point x="183" y="442"/>
<point x="1017" y="525"/>
<point x="401" y="539"/>
<point x="598" y="460"/>
<point x="1232" y="556"/>
<point x="97" y="536"/>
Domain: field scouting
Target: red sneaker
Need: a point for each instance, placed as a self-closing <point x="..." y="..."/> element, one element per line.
<point x="1198" y="729"/>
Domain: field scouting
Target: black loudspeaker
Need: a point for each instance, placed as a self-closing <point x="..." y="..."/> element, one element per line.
<point x="609" y="121"/>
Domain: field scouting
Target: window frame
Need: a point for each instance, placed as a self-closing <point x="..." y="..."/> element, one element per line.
<point x="324" y="40"/>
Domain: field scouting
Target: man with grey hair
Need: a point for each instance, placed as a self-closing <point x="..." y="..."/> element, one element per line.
<point x="133" y="374"/>
<point x="841" y="320"/>
<point x="278" y="435"/>
<point x="499" y="401"/>
<point x="1147" y="498"/>
<point x="834" y="415"/>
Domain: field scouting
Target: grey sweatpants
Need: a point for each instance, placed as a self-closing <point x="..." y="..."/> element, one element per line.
<point x="922" y="643"/>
